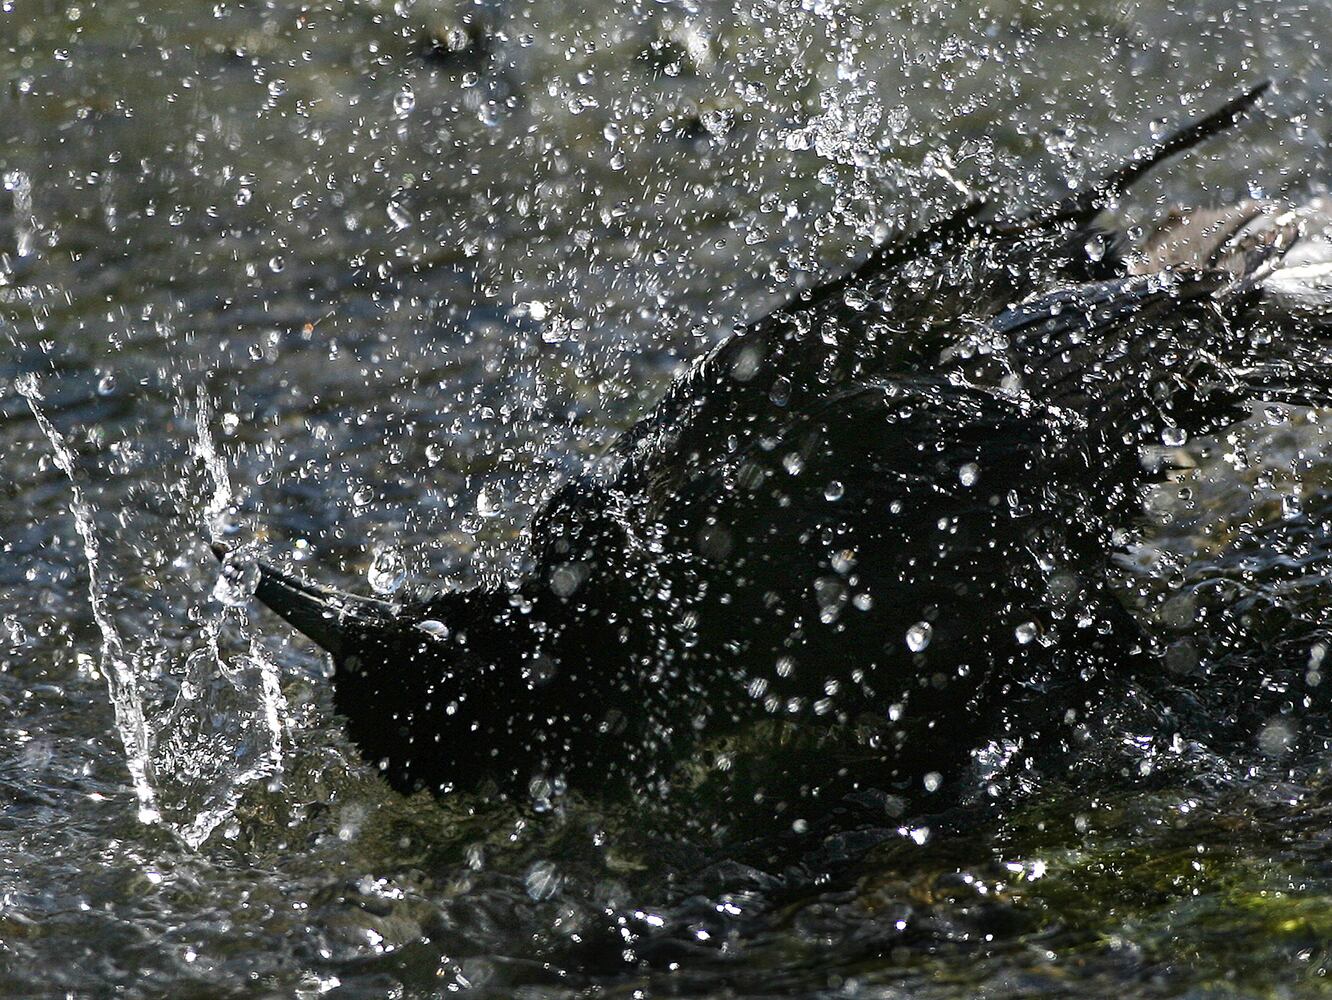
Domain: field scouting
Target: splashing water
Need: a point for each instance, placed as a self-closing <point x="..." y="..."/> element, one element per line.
<point x="118" y="666"/>
<point x="190" y="762"/>
<point x="254" y="674"/>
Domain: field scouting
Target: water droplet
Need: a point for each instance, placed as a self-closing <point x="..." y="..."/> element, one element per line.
<point x="237" y="580"/>
<point x="969" y="474"/>
<point x="932" y="781"/>
<point x="718" y="122"/>
<point x="542" y="880"/>
<point x="399" y="216"/>
<point x="388" y="570"/>
<point x="538" y="310"/>
<point x="1026" y="632"/>
<point x="106" y="385"/>
<point x="834" y="491"/>
<point x="753" y="91"/>
<point x="918" y="636"/>
<point x="433" y="628"/>
<point x="29" y="386"/>
<point x="1291" y="506"/>
<point x="490" y="501"/>
<point x="404" y="102"/>
<point x="556" y="331"/>
<point x="1174" y="437"/>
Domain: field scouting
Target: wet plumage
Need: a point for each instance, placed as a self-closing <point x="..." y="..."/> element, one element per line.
<point x="886" y="508"/>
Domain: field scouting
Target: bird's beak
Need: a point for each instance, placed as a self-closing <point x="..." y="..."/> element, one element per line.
<point x="327" y="616"/>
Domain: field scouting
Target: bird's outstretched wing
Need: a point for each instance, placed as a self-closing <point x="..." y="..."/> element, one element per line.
<point x="907" y="303"/>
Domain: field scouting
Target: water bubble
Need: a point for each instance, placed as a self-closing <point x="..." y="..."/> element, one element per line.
<point x="13" y="631"/>
<point x="918" y="636"/>
<point x="388" y="570"/>
<point x="404" y="102"/>
<point x="434" y="453"/>
<point x="538" y="310"/>
<point x="106" y="385"/>
<point x="1026" y="632"/>
<point x="1291" y="506"/>
<point x="1276" y="737"/>
<point x="834" y="491"/>
<point x="969" y="474"/>
<point x="277" y="264"/>
<point x="237" y="580"/>
<point x="932" y="781"/>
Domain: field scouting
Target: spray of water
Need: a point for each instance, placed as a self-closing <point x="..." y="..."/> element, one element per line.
<point x="219" y="519"/>
<point x="224" y="730"/>
<point x="118" y="665"/>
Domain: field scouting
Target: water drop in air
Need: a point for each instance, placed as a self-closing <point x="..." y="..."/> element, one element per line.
<point x="237" y="580"/>
<point x="918" y="636"/>
<point x="1174" y="437"/>
<point x="490" y="501"/>
<point x="388" y="570"/>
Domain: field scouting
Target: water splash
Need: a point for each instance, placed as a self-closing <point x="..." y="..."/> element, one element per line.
<point x="119" y="667"/>
<point x="252" y="675"/>
<point x="189" y="761"/>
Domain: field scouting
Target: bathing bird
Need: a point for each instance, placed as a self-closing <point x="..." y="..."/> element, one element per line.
<point x="885" y="509"/>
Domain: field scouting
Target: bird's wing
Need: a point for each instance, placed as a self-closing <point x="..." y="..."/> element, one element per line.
<point x="910" y="300"/>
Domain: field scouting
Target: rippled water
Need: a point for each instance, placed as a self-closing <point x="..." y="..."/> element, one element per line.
<point x="364" y="281"/>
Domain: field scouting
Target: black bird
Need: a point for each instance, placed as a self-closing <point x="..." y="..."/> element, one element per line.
<point x="885" y="509"/>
